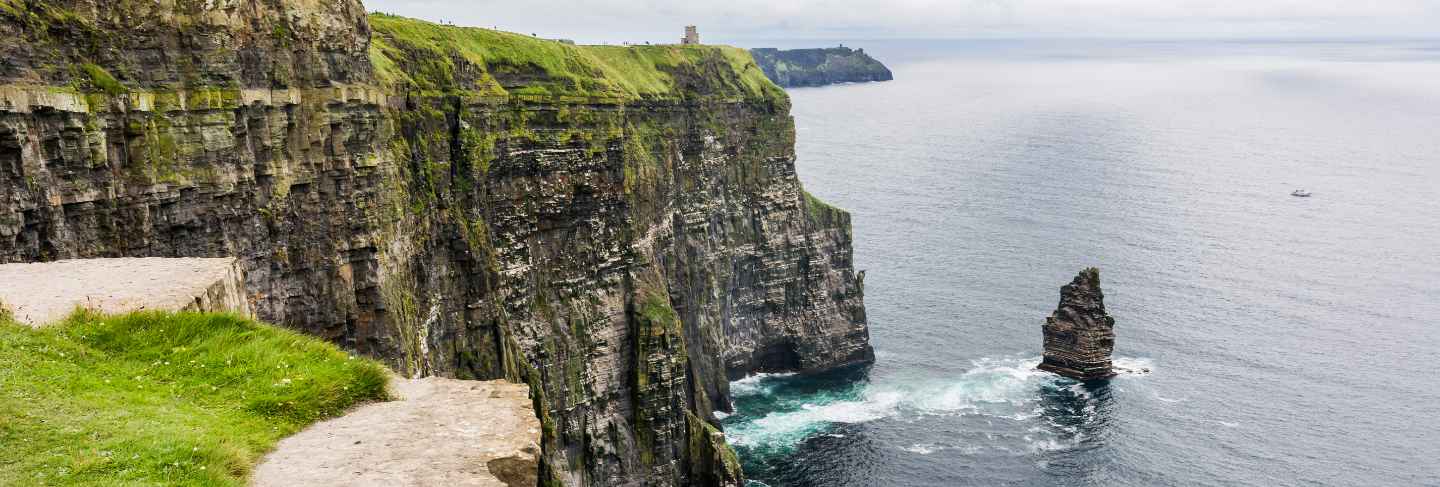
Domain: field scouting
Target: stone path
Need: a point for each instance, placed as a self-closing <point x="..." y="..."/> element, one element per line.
<point x="46" y="292"/>
<point x="444" y="432"/>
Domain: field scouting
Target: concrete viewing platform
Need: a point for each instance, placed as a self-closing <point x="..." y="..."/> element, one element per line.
<point x="46" y="292"/>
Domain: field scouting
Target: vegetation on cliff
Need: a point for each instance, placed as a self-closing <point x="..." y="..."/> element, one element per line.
<point x="163" y="399"/>
<point x="478" y="205"/>
<point x="430" y="57"/>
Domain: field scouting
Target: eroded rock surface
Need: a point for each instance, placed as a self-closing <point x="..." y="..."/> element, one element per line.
<point x="438" y="432"/>
<point x="43" y="293"/>
<point x="1080" y="336"/>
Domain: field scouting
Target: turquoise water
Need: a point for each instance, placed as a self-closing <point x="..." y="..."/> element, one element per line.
<point x="1288" y="341"/>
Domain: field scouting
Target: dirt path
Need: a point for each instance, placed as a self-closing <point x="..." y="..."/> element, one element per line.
<point x="444" y="432"/>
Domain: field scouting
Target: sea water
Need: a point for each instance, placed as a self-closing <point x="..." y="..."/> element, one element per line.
<point x="1288" y="341"/>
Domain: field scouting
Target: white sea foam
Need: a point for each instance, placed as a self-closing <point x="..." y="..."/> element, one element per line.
<point x="1003" y="388"/>
<point x="1038" y="445"/>
<point x="756" y="384"/>
<point x="923" y="448"/>
<point x="1132" y="365"/>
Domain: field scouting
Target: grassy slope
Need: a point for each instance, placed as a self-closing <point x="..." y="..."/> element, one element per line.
<point x="422" y="55"/>
<point x="162" y="399"/>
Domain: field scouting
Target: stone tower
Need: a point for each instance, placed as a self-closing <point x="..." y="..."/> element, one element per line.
<point x="1079" y="336"/>
<point x="692" y="36"/>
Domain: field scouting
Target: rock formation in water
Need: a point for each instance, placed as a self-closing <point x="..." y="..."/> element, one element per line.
<point x="1079" y="336"/>
<point x="819" y="67"/>
<point x="621" y="228"/>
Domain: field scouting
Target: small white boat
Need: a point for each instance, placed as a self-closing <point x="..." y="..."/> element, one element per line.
<point x="1300" y="193"/>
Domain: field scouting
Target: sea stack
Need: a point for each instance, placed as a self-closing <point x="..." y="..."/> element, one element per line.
<point x="1079" y="336"/>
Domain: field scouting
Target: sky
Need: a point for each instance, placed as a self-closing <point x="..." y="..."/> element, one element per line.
<point x="662" y="20"/>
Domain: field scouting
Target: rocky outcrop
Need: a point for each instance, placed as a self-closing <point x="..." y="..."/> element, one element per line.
<point x="1079" y="336"/>
<point x="46" y="292"/>
<point x="621" y="228"/>
<point x="437" y="432"/>
<point x="819" y="67"/>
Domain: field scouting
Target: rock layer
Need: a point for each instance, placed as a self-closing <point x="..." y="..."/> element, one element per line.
<point x="1080" y="336"/>
<point x="819" y="67"/>
<point x="619" y="228"/>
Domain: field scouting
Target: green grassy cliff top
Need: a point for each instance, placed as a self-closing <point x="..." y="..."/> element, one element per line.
<point x="429" y="57"/>
<point x="163" y="399"/>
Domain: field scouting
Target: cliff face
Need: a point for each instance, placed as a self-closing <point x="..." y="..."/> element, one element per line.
<point x="620" y="228"/>
<point x="819" y="67"/>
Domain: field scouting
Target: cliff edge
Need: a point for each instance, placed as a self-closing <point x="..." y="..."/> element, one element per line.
<point x="434" y="432"/>
<point x="620" y="228"/>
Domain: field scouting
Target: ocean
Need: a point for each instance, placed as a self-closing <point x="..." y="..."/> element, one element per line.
<point x="1288" y="341"/>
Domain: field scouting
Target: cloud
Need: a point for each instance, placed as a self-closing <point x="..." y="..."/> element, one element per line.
<point x="660" y="20"/>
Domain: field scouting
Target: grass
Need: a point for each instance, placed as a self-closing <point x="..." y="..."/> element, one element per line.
<point x="820" y="212"/>
<point x="432" y="57"/>
<point x="101" y="80"/>
<point x="163" y="399"/>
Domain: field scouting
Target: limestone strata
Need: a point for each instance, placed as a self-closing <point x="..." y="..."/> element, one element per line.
<point x="43" y="293"/>
<point x="619" y="228"/>
<point x="1079" y="336"/>
<point x="819" y="67"/>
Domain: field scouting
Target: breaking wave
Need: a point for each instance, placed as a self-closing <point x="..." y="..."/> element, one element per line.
<point x="772" y="417"/>
<point x="756" y="384"/>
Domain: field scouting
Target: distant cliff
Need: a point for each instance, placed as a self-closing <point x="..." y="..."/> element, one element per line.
<point x="819" y="67"/>
<point x="621" y="228"/>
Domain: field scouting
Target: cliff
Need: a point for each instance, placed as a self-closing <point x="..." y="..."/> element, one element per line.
<point x="1080" y="335"/>
<point x="619" y="228"/>
<point x="818" y="67"/>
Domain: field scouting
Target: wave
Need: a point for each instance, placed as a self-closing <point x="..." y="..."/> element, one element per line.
<point x="1000" y="388"/>
<point x="924" y="448"/>
<point x="756" y="384"/>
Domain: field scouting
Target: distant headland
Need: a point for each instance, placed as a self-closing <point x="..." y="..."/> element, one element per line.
<point x="819" y="67"/>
